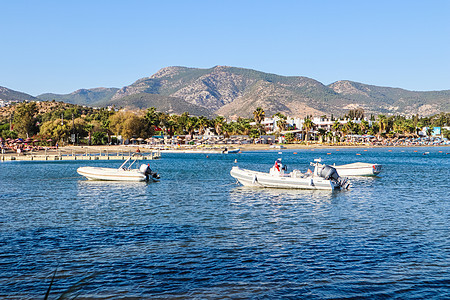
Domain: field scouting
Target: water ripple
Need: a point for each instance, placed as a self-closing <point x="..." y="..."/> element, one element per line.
<point x="196" y="234"/>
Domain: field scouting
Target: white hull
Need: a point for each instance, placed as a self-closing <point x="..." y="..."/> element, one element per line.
<point x="358" y="169"/>
<point x="97" y="173"/>
<point x="266" y="180"/>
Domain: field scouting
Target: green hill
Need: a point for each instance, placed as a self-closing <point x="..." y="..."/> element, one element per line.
<point x="162" y="103"/>
<point x="92" y="97"/>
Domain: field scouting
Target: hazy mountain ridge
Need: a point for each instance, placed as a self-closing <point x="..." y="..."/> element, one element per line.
<point x="11" y="95"/>
<point x="93" y="97"/>
<point x="235" y="92"/>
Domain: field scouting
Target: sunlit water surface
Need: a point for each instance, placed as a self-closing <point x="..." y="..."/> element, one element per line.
<point x="196" y="234"/>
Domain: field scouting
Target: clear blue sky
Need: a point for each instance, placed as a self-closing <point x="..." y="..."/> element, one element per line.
<point x="61" y="46"/>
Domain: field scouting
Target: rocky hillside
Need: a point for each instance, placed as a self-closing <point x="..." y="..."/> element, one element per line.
<point x="393" y="100"/>
<point x="235" y="92"/>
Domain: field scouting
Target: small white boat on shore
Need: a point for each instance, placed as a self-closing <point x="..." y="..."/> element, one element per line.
<point x="277" y="147"/>
<point x="324" y="178"/>
<point x="357" y="169"/>
<point x="124" y="173"/>
<point x="203" y="150"/>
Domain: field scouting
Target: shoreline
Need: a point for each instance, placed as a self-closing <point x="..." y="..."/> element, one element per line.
<point x="129" y="149"/>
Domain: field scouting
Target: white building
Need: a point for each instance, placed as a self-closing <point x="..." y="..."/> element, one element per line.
<point x="270" y="124"/>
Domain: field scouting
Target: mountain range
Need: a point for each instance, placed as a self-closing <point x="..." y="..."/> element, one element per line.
<point x="237" y="92"/>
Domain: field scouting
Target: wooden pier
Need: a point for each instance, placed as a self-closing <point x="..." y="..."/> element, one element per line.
<point x="63" y="155"/>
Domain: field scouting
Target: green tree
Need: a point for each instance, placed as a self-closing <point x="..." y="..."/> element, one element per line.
<point x="357" y="113"/>
<point x="219" y="121"/>
<point x="336" y="127"/>
<point x="258" y="116"/>
<point x="244" y="125"/>
<point x="99" y="138"/>
<point x="24" y="119"/>
<point x="364" y="126"/>
<point x="382" y="124"/>
<point x="254" y="133"/>
<point x="281" y="122"/>
<point x="321" y="132"/>
<point x="56" y="129"/>
<point x="289" y="137"/>
<point x="203" y="123"/>
<point x="172" y="124"/>
<point x="191" y="124"/>
<point x="307" y="126"/>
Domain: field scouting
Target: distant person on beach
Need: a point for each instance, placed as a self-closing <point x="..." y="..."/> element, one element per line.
<point x="138" y="151"/>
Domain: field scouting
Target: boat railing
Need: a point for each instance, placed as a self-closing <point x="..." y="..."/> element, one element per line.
<point x="130" y="160"/>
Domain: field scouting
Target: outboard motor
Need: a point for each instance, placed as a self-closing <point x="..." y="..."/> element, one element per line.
<point x="330" y="173"/>
<point x="145" y="169"/>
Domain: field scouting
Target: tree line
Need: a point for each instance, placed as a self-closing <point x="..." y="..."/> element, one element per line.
<point x="100" y="126"/>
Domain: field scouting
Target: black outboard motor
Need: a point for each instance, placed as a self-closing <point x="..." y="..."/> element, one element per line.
<point x="149" y="173"/>
<point x="330" y="173"/>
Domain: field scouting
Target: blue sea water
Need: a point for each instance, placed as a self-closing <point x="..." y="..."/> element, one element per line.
<point x="196" y="234"/>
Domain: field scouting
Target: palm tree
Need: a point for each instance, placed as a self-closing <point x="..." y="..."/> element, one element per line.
<point x="349" y="126"/>
<point x="244" y="125"/>
<point x="172" y="124"/>
<point x="191" y="124"/>
<point x="363" y="126"/>
<point x="419" y="127"/>
<point x="259" y="115"/>
<point x="89" y="127"/>
<point x="219" y="121"/>
<point x="183" y="122"/>
<point x="281" y="122"/>
<point x="329" y="136"/>
<point x="203" y="123"/>
<point x="162" y="121"/>
<point x="382" y="123"/>
<point x="308" y="125"/>
<point x="336" y="126"/>
<point x="321" y="133"/>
